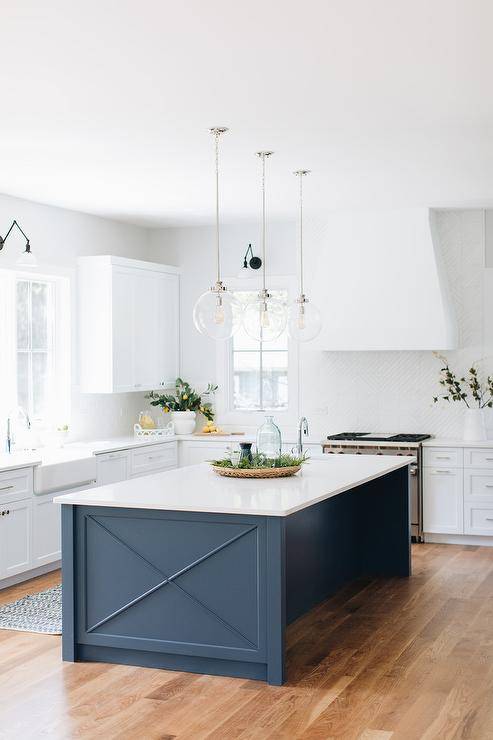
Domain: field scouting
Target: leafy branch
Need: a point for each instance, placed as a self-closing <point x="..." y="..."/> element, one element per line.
<point x="459" y="389"/>
<point x="185" y="398"/>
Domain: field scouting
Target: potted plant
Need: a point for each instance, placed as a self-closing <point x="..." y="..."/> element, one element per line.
<point x="469" y="390"/>
<point x="183" y="405"/>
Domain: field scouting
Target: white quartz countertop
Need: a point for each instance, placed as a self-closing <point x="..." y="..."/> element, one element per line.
<point x="82" y="450"/>
<point x="198" y="488"/>
<point x="19" y="460"/>
<point x="73" y="451"/>
<point x="444" y="442"/>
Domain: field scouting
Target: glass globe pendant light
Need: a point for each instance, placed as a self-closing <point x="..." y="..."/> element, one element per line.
<point x="217" y="313"/>
<point x="304" y="320"/>
<point x="265" y="317"/>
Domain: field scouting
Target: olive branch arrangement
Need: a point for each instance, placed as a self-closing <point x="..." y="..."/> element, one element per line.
<point x="458" y="389"/>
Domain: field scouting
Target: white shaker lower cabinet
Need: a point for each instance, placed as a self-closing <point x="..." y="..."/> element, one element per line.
<point x="192" y="453"/>
<point x="113" y="467"/>
<point x="153" y="459"/>
<point x="46" y="531"/>
<point x="458" y="491"/>
<point x="15" y="537"/>
<point x="443" y="500"/>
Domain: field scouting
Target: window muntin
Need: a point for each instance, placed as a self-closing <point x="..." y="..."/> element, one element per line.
<point x="259" y="369"/>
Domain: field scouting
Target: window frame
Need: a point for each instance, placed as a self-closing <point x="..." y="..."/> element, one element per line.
<point x="226" y="413"/>
<point x="59" y="392"/>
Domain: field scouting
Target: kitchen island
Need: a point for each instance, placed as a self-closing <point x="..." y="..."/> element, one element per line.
<point x="190" y="571"/>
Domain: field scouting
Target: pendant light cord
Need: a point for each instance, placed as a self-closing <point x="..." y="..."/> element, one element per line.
<point x="301" y="234"/>
<point x="263" y="222"/>
<point x="263" y="156"/>
<point x="218" y="258"/>
<point x="300" y="174"/>
<point x="217" y="131"/>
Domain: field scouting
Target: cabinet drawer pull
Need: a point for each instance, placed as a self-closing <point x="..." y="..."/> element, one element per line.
<point x="488" y="485"/>
<point x="489" y="518"/>
<point x="6" y="488"/>
<point x="489" y="459"/>
<point x="443" y="457"/>
<point x="443" y="472"/>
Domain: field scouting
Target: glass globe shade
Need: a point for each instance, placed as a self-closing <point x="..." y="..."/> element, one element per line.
<point x="265" y="319"/>
<point x="217" y="315"/>
<point x="304" y="321"/>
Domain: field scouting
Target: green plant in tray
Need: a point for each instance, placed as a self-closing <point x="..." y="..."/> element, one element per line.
<point x="260" y="461"/>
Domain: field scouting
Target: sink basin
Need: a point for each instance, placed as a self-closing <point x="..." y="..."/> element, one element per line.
<point x="61" y="470"/>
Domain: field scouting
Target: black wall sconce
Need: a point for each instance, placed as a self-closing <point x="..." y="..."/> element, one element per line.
<point x="254" y="262"/>
<point x="27" y="257"/>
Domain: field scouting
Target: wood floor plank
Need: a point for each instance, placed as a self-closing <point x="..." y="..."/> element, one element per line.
<point x="383" y="659"/>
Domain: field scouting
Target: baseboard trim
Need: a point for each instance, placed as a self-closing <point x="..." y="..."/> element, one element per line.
<point x="459" y="539"/>
<point x="171" y="662"/>
<point x="28" y="574"/>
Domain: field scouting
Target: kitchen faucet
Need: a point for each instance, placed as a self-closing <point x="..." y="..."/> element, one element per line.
<point x="10" y="437"/>
<point x="302" y="430"/>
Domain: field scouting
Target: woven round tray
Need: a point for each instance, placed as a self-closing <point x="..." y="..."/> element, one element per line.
<point x="256" y="472"/>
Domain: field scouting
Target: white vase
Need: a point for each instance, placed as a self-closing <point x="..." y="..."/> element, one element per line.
<point x="474" y="426"/>
<point x="184" y="421"/>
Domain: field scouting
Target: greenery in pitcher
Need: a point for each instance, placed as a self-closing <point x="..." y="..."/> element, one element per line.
<point x="185" y="398"/>
<point x="260" y="461"/>
<point x="469" y="386"/>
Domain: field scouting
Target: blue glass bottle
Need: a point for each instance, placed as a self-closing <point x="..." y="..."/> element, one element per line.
<point x="269" y="439"/>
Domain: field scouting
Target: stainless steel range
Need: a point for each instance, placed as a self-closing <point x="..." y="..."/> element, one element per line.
<point x="374" y="443"/>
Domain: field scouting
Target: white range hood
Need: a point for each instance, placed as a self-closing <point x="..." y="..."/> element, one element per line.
<point x="379" y="282"/>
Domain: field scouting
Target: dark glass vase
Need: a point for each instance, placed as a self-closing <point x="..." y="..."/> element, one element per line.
<point x="246" y="451"/>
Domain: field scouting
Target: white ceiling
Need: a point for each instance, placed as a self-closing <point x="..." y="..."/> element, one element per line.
<point x="105" y="104"/>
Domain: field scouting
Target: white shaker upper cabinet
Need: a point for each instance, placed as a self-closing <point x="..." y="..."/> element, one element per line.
<point x="128" y="324"/>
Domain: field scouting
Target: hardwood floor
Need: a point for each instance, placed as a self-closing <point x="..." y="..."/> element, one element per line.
<point x="396" y="658"/>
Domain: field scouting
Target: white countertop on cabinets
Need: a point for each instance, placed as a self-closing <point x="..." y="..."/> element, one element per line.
<point x="444" y="442"/>
<point x="19" y="460"/>
<point x="198" y="488"/>
<point x="73" y="451"/>
<point x="82" y="450"/>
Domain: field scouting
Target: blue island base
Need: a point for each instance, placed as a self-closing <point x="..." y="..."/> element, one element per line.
<point x="213" y="593"/>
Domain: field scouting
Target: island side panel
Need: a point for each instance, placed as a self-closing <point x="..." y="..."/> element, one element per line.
<point x="68" y="578"/>
<point x="276" y="600"/>
<point x="385" y="527"/>
<point x="185" y="591"/>
<point x="322" y="552"/>
<point x="362" y="532"/>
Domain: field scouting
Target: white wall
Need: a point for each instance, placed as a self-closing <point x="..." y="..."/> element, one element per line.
<point x="58" y="237"/>
<point x="193" y="249"/>
<point x="379" y="391"/>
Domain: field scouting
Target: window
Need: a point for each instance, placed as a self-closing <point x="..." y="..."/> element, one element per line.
<point x="35" y="346"/>
<point x="260" y="370"/>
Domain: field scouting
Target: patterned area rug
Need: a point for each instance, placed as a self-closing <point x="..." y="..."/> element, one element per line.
<point x="41" y="612"/>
